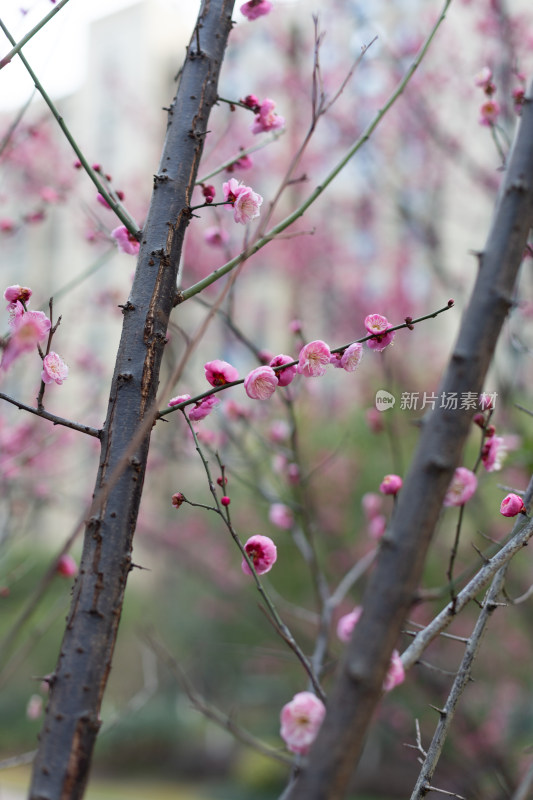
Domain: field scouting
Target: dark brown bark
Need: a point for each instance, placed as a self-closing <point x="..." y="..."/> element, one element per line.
<point x="72" y="719"/>
<point x="391" y="589"/>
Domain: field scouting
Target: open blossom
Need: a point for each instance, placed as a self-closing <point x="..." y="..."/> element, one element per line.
<point x="493" y="453"/>
<point x="54" y="369"/>
<point x="379" y="326"/>
<point x="245" y="201"/>
<point x="261" y="383"/>
<point x="27" y="330"/>
<point x="313" y="359"/>
<point x="284" y="376"/>
<point x="395" y="673"/>
<point x="216" y="237"/>
<point x="301" y="720"/>
<point x="202" y="409"/>
<point x="347" y="623"/>
<point x="483" y="78"/>
<point x="462" y="487"/>
<point x="512" y="505"/>
<point x="266" y="119"/>
<point x="391" y="484"/>
<point x="281" y="515"/>
<point x="126" y="242"/>
<point x="351" y="358"/>
<point x="218" y="372"/>
<point x="17" y="294"/>
<point x="489" y="112"/>
<point x="256" y="8"/>
<point x="262" y="552"/>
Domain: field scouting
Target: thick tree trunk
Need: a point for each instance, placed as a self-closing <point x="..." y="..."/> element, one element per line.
<point x="72" y="719"/>
<point x="391" y="589"/>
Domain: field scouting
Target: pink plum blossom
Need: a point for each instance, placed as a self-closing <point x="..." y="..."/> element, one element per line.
<point x="301" y="720"/>
<point x="244" y="162"/>
<point x="218" y="372"/>
<point x="512" y="505"/>
<point x="379" y="326"/>
<point x="216" y="237"/>
<point x="391" y="484"/>
<point x="313" y="359"/>
<point x="489" y="112"/>
<point x="126" y="242"/>
<point x="254" y="9"/>
<point x="66" y="566"/>
<point x="34" y="708"/>
<point x="484" y="78"/>
<point x="281" y="516"/>
<point x="493" y="453"/>
<point x="17" y="294"/>
<point x="262" y="552"/>
<point x="266" y="119"/>
<point x="377" y="527"/>
<point x="202" y="409"/>
<point x="351" y="358"/>
<point x="347" y="623"/>
<point x="245" y="201"/>
<point x="395" y="674"/>
<point x="261" y="383"/>
<point x="177" y="499"/>
<point x="27" y="330"/>
<point x="103" y="202"/>
<point x="180" y="398"/>
<point x="462" y="487"/>
<point x="284" y="376"/>
<point x="54" y="369"/>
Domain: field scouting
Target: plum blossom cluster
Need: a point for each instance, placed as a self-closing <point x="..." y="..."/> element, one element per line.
<point x="490" y="109"/>
<point x="265" y="119"/>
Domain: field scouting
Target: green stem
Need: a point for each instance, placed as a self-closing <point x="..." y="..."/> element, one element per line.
<point x="276" y="135"/>
<point x="121" y="213"/>
<point x="281" y="226"/>
<point x="13" y="52"/>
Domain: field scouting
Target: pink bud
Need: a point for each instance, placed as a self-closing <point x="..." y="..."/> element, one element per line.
<point x="391" y="484"/>
<point x="512" y="505"/>
<point x="177" y="499"/>
<point x="66" y="566"/>
<point x="225" y="500"/>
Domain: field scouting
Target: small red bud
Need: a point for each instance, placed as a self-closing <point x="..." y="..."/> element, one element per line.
<point x="451" y="303"/>
<point x="108" y="177"/>
<point x="177" y="499"/>
<point x="77" y="164"/>
<point x="120" y="195"/>
<point x="479" y="419"/>
<point x="491" y="430"/>
<point x="225" y="500"/>
<point x="222" y="481"/>
<point x="97" y="167"/>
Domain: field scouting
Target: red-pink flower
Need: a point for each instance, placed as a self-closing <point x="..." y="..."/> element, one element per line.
<point x="281" y="516"/>
<point x="395" y="674"/>
<point x="462" y="487"/>
<point x="391" y="484"/>
<point x="218" y="372"/>
<point x="17" y="294"/>
<point x="489" y="112"/>
<point x="313" y="359"/>
<point x="101" y="199"/>
<point x="493" y="453"/>
<point x="256" y="8"/>
<point x="512" y="505"/>
<point x="379" y="326"/>
<point x="261" y="383"/>
<point x="484" y="78"/>
<point x="54" y="369"/>
<point x="245" y="201"/>
<point x="27" y="330"/>
<point x="266" y="119"/>
<point x="66" y="566"/>
<point x="351" y="358"/>
<point x="347" y="623"/>
<point x="301" y="720"/>
<point x="284" y="376"/>
<point x="262" y="552"/>
<point x="126" y="242"/>
<point x="177" y="499"/>
<point x="180" y="398"/>
<point x="216" y="237"/>
<point x="202" y="409"/>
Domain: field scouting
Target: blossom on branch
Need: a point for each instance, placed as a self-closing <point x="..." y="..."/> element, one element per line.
<point x="391" y="484"/>
<point x="284" y="376"/>
<point x="261" y="383"/>
<point x="462" y="487"/>
<point x="17" y="294"/>
<point x="266" y="119"/>
<point x="262" y="552"/>
<point x="395" y="673"/>
<point x="27" y="330"/>
<point x="347" y="623"/>
<point x="54" y="369"/>
<point x="493" y="453"/>
<point x="512" y="505"/>
<point x="202" y="409"/>
<point x="301" y="720"/>
<point x="313" y="359"/>
<point x="489" y="112"/>
<point x="379" y="326"/>
<point x="254" y="9"/>
<point x="126" y="242"/>
<point x="351" y="358"/>
<point x="218" y="372"/>
<point x="180" y="398"/>
<point x="245" y="201"/>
